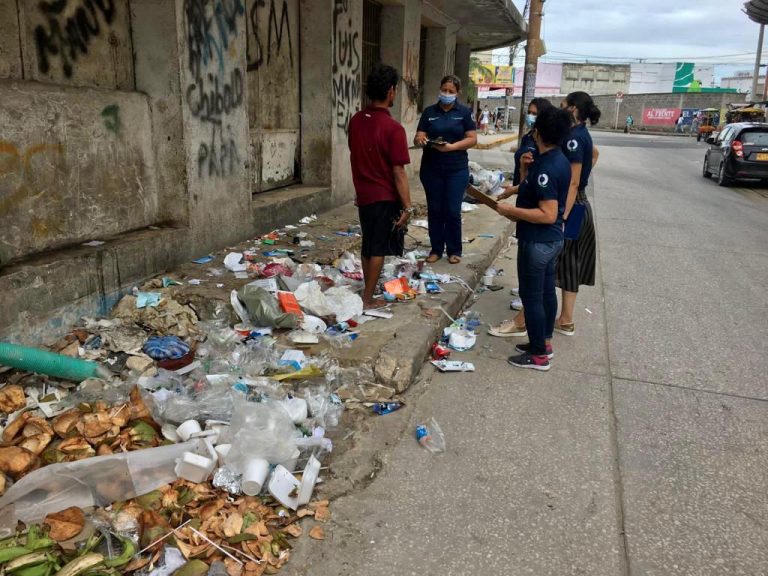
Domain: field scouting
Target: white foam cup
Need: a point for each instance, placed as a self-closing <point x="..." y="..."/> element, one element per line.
<point x="254" y="476"/>
<point x="188" y="429"/>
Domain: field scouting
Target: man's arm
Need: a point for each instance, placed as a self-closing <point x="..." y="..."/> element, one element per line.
<point x="404" y="192"/>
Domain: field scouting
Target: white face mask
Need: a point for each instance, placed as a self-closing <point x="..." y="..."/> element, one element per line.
<point x="530" y="119"/>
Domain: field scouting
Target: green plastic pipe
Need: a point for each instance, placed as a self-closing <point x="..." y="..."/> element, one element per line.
<point x="49" y="363"/>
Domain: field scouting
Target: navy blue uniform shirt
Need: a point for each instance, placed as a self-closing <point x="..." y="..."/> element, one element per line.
<point x="451" y="126"/>
<point x="548" y="179"/>
<point x="578" y="149"/>
<point x="526" y="145"/>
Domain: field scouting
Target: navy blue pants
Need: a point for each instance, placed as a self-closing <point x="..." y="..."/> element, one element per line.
<point x="536" y="271"/>
<point x="445" y="190"/>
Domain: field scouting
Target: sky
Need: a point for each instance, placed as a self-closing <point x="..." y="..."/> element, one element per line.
<point x="701" y="31"/>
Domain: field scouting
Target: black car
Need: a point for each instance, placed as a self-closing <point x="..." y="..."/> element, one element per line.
<point x="739" y="151"/>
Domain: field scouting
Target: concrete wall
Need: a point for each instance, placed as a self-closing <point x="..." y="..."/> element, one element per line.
<point x="595" y="78"/>
<point x="347" y="32"/>
<point x="81" y="168"/>
<point x="77" y="42"/>
<point x="634" y="104"/>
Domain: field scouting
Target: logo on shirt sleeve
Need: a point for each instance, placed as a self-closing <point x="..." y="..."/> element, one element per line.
<point x="543" y="180"/>
<point x="572" y="145"/>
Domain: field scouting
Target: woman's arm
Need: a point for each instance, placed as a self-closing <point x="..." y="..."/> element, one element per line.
<point x="595" y="155"/>
<point x="469" y="141"/>
<point x="509" y="190"/>
<point x="545" y="213"/>
<point x="573" y="189"/>
<point x="420" y="139"/>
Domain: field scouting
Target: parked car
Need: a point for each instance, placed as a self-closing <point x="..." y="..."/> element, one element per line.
<point x="739" y="151"/>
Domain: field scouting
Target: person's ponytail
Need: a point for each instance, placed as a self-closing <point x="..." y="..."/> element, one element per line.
<point x="593" y="113"/>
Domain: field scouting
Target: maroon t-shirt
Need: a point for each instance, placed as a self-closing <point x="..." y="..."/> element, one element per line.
<point x="377" y="143"/>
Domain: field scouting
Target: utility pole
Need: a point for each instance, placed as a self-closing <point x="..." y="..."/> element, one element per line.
<point x="534" y="48"/>
<point x="756" y="75"/>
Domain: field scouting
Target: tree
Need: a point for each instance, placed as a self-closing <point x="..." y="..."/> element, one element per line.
<point x="476" y="69"/>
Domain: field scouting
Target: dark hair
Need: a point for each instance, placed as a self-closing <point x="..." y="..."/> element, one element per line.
<point x="541" y="104"/>
<point x="380" y="80"/>
<point x="552" y="125"/>
<point x="453" y="80"/>
<point x="585" y="105"/>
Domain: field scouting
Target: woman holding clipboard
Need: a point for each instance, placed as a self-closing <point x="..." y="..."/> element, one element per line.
<point x="576" y="266"/>
<point x="539" y="209"/>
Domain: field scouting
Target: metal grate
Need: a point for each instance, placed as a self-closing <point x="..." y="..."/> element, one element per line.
<point x="371" y="41"/>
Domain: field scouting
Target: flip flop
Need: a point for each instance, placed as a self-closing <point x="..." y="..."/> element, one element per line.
<point x="454" y="259"/>
<point x="433" y="258"/>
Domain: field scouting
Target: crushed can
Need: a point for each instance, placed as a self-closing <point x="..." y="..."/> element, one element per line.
<point x="382" y="408"/>
<point x="440" y="352"/>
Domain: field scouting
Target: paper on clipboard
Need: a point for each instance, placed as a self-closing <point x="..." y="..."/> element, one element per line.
<point x="482" y="198"/>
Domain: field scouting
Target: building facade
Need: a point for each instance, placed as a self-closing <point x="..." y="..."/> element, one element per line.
<point x="172" y="128"/>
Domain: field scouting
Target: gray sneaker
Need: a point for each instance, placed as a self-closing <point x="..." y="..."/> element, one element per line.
<point x="516" y="304"/>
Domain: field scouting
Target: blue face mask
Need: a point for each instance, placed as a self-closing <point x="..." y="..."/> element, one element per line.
<point x="530" y="119"/>
<point x="446" y="98"/>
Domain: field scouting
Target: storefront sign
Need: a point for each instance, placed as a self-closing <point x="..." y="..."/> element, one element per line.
<point x="660" y="116"/>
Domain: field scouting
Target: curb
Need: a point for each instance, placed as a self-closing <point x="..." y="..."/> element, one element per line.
<point x="496" y="143"/>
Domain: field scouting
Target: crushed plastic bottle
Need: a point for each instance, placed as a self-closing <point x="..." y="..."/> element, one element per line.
<point x="430" y="436"/>
<point x="382" y="408"/>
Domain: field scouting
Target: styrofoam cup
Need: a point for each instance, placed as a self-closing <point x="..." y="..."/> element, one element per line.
<point x="254" y="476"/>
<point x="221" y="451"/>
<point x="187" y="429"/>
<point x="488" y="280"/>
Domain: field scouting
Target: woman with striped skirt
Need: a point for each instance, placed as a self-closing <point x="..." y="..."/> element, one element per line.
<point x="576" y="266"/>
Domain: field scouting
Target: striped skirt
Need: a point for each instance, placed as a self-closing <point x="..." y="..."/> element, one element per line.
<point x="576" y="266"/>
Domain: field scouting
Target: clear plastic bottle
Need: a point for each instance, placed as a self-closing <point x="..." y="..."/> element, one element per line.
<point x="430" y="436"/>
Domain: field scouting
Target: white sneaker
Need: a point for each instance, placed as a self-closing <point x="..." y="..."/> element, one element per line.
<point x="516" y="304"/>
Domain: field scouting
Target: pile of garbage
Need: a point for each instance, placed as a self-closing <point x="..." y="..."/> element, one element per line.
<point x="158" y="441"/>
<point x="489" y="182"/>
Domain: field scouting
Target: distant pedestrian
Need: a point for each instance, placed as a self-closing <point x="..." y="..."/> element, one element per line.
<point x="629" y="123"/>
<point x="695" y="124"/>
<point x="378" y="153"/>
<point x="539" y="211"/>
<point x="679" y="124"/>
<point x="576" y="266"/>
<point x="446" y="131"/>
<point x="485" y="119"/>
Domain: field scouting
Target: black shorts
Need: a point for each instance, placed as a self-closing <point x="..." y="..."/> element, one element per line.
<point x="380" y="237"/>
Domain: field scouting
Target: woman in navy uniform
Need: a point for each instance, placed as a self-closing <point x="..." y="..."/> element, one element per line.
<point x="526" y="152"/>
<point x="539" y="210"/>
<point x="576" y="266"/>
<point x="446" y="131"/>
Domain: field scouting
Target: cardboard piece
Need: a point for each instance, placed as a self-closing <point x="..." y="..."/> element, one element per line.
<point x="482" y="198"/>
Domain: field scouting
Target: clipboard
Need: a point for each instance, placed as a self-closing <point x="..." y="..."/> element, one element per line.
<point x="482" y="198"/>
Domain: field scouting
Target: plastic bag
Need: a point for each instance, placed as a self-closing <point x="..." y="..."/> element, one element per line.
<point x="343" y="303"/>
<point x="430" y="436"/>
<point x="312" y="299"/>
<point x="264" y="309"/>
<point x="96" y="481"/>
<point x="260" y="430"/>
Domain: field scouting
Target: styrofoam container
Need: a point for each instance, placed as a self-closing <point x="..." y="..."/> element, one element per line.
<point x="198" y="465"/>
<point x="308" y="481"/>
<point x="313" y="324"/>
<point x="187" y="429"/>
<point x="282" y="484"/>
<point x="254" y="476"/>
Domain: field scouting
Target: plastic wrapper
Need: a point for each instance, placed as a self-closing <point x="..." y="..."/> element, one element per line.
<point x="96" y="481"/>
<point x="260" y="430"/>
<point x="324" y="407"/>
<point x="264" y="309"/>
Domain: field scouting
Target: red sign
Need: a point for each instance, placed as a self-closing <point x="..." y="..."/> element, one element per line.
<point x="660" y="116"/>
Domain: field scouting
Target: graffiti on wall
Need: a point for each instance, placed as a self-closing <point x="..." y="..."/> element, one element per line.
<point x="411" y="81"/>
<point x="216" y="88"/>
<point x="111" y="116"/>
<point x="278" y="33"/>
<point x="17" y="167"/>
<point x="68" y="32"/>
<point x="346" y="65"/>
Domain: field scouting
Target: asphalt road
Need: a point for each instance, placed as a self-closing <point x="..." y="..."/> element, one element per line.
<point x="644" y="451"/>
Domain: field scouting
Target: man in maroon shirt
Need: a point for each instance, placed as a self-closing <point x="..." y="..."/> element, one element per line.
<point x="379" y="153"/>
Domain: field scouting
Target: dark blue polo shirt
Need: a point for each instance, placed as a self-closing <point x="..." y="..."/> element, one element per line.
<point x="548" y="179"/>
<point x="451" y="125"/>
<point x="578" y="149"/>
<point x="526" y="145"/>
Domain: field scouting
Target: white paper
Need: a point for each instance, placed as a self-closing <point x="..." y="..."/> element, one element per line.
<point x="233" y="264"/>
